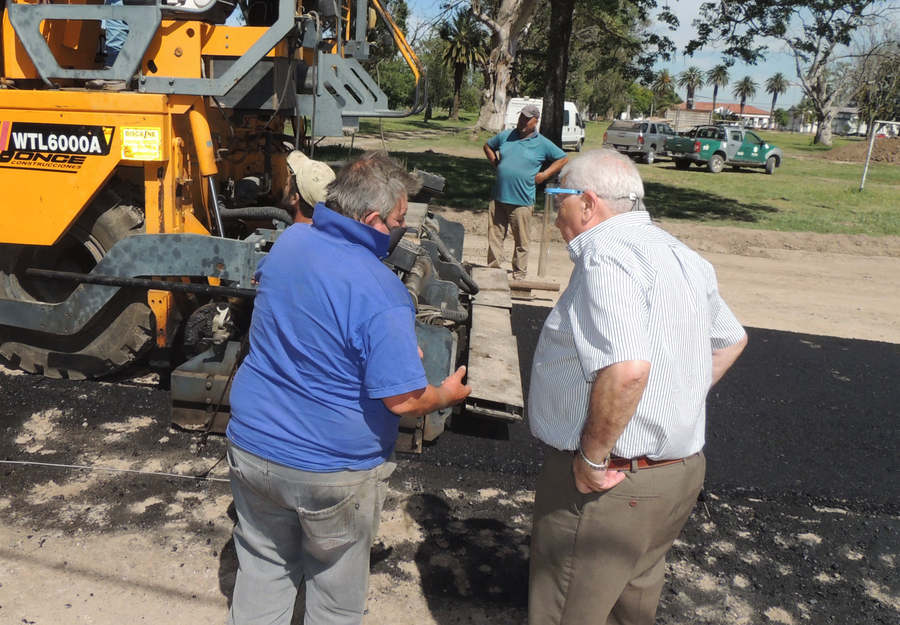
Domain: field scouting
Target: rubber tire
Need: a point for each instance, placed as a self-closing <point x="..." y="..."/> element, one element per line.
<point x="117" y="335"/>
<point x="715" y="164"/>
<point x="771" y="165"/>
<point x="579" y="145"/>
<point x="682" y="163"/>
<point x="649" y="156"/>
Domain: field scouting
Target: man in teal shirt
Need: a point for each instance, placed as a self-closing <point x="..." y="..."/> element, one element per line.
<point x="518" y="156"/>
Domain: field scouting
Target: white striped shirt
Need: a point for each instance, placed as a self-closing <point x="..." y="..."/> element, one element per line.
<point x="636" y="293"/>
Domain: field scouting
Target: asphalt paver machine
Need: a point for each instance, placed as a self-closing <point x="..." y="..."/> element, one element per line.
<point x="137" y="195"/>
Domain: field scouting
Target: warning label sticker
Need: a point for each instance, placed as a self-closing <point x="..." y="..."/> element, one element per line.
<point x="141" y="144"/>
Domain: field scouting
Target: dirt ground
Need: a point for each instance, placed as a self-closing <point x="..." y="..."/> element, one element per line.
<point x="832" y="285"/>
<point x="884" y="150"/>
<point x="104" y="549"/>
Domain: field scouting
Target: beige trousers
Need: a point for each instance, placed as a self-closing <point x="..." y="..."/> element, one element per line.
<point x="503" y="217"/>
<point x="599" y="559"/>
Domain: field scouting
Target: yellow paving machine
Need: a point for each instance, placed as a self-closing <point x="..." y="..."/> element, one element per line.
<point x="137" y="195"/>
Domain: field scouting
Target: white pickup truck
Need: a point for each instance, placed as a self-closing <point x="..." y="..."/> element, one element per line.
<point x="638" y="138"/>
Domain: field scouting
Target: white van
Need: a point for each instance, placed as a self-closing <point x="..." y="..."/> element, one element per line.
<point x="573" y="125"/>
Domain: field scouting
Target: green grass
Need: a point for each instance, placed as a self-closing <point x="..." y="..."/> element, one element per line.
<point x="807" y="193"/>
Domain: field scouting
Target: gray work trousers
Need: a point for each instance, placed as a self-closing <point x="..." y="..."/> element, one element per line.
<point x="600" y="559"/>
<point x="297" y="525"/>
<point x="503" y="217"/>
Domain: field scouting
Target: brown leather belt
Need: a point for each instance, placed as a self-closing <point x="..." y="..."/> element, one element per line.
<point x="630" y="464"/>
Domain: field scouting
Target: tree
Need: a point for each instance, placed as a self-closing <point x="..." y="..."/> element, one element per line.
<point x="690" y="79"/>
<point x="781" y="118"/>
<point x="776" y="85"/>
<point x="640" y="98"/>
<point x="717" y="77"/>
<point x="465" y="49"/>
<point x="557" y="69"/>
<point x="506" y="23"/>
<point x="812" y="31"/>
<point x="873" y="82"/>
<point x="743" y="89"/>
<point x="663" y="87"/>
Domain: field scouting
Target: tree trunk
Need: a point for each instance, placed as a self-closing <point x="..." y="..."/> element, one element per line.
<point x="772" y="109"/>
<point x="715" y="94"/>
<point x="512" y="18"/>
<point x="458" y="73"/>
<point x="823" y="126"/>
<point x="556" y="69"/>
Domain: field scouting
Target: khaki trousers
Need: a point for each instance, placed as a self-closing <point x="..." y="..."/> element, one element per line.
<point x="599" y="559"/>
<point x="503" y="217"/>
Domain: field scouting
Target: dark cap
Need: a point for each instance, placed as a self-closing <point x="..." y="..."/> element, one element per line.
<point x="530" y="110"/>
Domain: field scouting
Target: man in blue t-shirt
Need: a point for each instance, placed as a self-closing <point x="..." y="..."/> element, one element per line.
<point x="518" y="155"/>
<point x="333" y="361"/>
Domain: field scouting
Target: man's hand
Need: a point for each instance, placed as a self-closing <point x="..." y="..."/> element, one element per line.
<point x="424" y="400"/>
<point x="588" y="480"/>
<point x="492" y="156"/>
<point x="454" y="388"/>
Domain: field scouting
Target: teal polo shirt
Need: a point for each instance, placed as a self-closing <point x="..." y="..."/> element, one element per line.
<point x="521" y="159"/>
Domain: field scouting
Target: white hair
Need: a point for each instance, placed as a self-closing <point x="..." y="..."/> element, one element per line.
<point x="612" y="176"/>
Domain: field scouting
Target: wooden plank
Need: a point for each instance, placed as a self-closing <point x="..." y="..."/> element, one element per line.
<point x="488" y="322"/>
<point x="490" y="278"/>
<point x="494" y="358"/>
<point x="496" y="299"/>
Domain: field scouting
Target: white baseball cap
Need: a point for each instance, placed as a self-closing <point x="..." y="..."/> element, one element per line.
<point x="312" y="177"/>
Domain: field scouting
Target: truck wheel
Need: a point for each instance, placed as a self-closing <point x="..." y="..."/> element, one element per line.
<point x="579" y="145"/>
<point x="115" y="337"/>
<point x="650" y="156"/>
<point x="771" y="163"/>
<point x="715" y="163"/>
<point x="682" y="163"/>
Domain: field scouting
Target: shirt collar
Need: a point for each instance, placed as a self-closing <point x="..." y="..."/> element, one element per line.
<point x="584" y="241"/>
<point x="358" y="233"/>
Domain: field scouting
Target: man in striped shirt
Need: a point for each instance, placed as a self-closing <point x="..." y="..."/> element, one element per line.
<point x="618" y="397"/>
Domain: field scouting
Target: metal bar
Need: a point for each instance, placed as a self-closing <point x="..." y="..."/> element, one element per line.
<point x="143" y="283"/>
<point x="545" y="237"/>
<point x="874" y="130"/>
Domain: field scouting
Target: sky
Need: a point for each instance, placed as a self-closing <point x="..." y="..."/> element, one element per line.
<point x="777" y="58"/>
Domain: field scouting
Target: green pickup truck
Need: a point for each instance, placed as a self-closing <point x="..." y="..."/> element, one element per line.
<point x="717" y="146"/>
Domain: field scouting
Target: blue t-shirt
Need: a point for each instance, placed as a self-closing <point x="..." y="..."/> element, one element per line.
<point x="520" y="161"/>
<point x="332" y="334"/>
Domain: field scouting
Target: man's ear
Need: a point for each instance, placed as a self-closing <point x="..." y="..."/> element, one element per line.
<point x="594" y="207"/>
<point x="370" y="219"/>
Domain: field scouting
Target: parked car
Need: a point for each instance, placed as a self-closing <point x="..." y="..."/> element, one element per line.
<point x="573" y="125"/>
<point x="644" y="139"/>
<point x="716" y="146"/>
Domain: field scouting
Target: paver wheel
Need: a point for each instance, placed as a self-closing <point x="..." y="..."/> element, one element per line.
<point x="715" y="163"/>
<point x="771" y="164"/>
<point x="115" y="337"/>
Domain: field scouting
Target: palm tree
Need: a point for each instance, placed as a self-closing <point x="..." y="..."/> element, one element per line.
<point x="662" y="85"/>
<point x="776" y="85"/>
<point x="690" y="79"/>
<point x="745" y="88"/>
<point x="717" y="77"/>
<point x="465" y="39"/>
